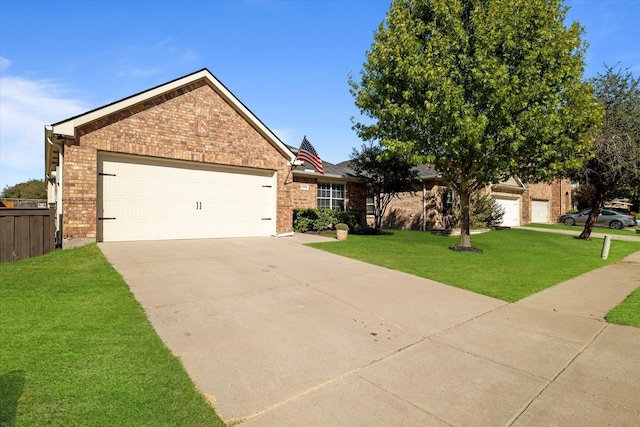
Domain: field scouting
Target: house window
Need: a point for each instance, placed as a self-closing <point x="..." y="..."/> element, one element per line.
<point x="447" y="203"/>
<point x="331" y="196"/>
<point x="370" y="206"/>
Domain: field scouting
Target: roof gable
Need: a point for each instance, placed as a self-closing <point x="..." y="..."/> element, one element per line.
<point x="67" y="128"/>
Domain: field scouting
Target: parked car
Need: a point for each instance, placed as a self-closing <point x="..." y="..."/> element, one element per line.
<point x="621" y="210"/>
<point x="607" y="218"/>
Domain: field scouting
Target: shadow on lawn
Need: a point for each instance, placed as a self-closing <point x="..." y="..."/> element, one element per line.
<point x="11" y="388"/>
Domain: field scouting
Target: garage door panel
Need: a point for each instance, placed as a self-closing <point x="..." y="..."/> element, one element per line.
<point x="540" y="211"/>
<point x="150" y="200"/>
<point x="511" y="208"/>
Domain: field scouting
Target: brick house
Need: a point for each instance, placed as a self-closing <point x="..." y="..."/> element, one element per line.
<point x="185" y="159"/>
<point x="426" y="207"/>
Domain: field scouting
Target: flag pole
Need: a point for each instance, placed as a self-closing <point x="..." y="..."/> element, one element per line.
<point x="293" y="165"/>
<point x="289" y="173"/>
<point x="309" y="155"/>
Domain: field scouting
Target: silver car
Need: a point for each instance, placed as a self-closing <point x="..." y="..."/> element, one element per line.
<point x="607" y="218"/>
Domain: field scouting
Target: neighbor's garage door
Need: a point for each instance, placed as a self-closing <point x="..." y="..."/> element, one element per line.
<point x="145" y="199"/>
<point x="511" y="207"/>
<point x="540" y="211"/>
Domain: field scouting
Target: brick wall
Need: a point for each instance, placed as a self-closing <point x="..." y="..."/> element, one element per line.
<point x="304" y="199"/>
<point x="355" y="195"/>
<point x="558" y="194"/>
<point x="79" y="199"/>
<point x="356" y="199"/>
<point x="191" y="123"/>
<point x="406" y="211"/>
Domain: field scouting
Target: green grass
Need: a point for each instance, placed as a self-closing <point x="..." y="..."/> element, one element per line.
<point x="77" y="349"/>
<point x="514" y="265"/>
<point x="628" y="312"/>
<point x="578" y="229"/>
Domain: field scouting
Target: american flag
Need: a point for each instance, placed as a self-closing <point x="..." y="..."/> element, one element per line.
<point x="308" y="154"/>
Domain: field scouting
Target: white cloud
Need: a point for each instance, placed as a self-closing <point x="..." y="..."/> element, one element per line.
<point x="26" y="106"/>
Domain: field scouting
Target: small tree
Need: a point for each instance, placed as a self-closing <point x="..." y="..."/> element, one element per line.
<point x="484" y="212"/>
<point x="386" y="174"/>
<point x="616" y="153"/>
<point x="32" y="189"/>
<point x="582" y="196"/>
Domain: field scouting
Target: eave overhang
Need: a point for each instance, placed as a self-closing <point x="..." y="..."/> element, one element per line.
<point x="309" y="173"/>
<point x="517" y="187"/>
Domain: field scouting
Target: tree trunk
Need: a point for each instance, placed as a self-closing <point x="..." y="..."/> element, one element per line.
<point x="378" y="212"/>
<point x="596" y="208"/>
<point x="465" y="234"/>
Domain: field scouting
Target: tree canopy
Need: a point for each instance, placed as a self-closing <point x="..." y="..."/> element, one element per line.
<point x="481" y="89"/>
<point x="32" y="189"/>
<point x="615" y="164"/>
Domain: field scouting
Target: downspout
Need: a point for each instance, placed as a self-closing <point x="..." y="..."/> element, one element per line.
<point x="58" y="184"/>
<point x="563" y="199"/>
<point x="424" y="206"/>
<point x="562" y="202"/>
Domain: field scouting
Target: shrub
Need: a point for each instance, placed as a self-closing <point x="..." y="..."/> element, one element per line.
<point x="323" y="219"/>
<point x="351" y="219"/>
<point x="326" y="218"/>
<point x="303" y="220"/>
<point x="486" y="212"/>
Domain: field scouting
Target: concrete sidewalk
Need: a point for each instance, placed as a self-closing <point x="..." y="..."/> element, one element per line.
<point x="596" y="233"/>
<point x="277" y="333"/>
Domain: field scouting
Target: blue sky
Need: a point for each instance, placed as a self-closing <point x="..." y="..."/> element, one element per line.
<point x="286" y="60"/>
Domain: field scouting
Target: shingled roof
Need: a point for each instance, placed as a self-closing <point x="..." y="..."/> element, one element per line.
<point x="344" y="170"/>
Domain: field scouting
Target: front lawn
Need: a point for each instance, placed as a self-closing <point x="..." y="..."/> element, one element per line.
<point x="77" y="349"/>
<point x="514" y="265"/>
<point x="628" y="312"/>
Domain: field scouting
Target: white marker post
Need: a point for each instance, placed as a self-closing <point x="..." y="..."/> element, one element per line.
<point x="605" y="247"/>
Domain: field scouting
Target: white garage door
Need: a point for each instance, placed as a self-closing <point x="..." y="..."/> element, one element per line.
<point x="511" y="207"/>
<point x="146" y="199"/>
<point x="540" y="211"/>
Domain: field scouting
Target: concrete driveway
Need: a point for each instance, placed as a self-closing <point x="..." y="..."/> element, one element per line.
<point x="277" y="333"/>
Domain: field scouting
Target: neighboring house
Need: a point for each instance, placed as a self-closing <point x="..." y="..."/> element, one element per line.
<point x="183" y="160"/>
<point x="620" y="203"/>
<point x="430" y="204"/>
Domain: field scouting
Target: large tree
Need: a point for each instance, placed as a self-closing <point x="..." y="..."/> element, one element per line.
<point x="481" y="89"/>
<point x="615" y="165"/>
<point x="387" y="174"/>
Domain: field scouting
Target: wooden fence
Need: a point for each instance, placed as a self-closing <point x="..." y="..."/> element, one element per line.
<point x="26" y="233"/>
